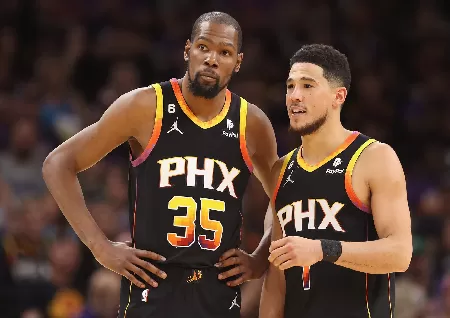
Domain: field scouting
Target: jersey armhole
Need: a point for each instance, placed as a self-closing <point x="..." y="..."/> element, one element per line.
<point x="242" y="134"/>
<point x="281" y="175"/>
<point x="349" y="174"/>
<point x="156" y="128"/>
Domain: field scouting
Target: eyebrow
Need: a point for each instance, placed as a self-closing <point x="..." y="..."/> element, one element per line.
<point x="201" y="37"/>
<point x="303" y="78"/>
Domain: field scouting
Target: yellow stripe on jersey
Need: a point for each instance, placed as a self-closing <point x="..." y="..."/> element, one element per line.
<point x="348" y="177"/>
<point x="158" y="116"/>
<point x="156" y="127"/>
<point x="242" y="134"/>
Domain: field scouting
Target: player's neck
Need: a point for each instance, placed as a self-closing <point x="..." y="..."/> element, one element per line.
<point x="204" y="109"/>
<point x="323" y="142"/>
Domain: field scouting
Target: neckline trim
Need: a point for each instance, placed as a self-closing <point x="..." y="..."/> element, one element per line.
<point x="310" y="168"/>
<point x="185" y="108"/>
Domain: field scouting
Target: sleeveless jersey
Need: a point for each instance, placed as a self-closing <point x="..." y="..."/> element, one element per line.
<point x="186" y="188"/>
<point x="318" y="202"/>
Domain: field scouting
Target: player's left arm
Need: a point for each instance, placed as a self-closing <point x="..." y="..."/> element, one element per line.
<point x="389" y="206"/>
<point x="262" y="150"/>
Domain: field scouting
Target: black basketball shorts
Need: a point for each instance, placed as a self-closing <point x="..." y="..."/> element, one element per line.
<point x="185" y="293"/>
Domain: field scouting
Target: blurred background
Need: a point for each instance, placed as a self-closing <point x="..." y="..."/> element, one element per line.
<point x="62" y="63"/>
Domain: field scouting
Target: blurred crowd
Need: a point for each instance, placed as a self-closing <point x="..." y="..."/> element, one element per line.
<point x="62" y="63"/>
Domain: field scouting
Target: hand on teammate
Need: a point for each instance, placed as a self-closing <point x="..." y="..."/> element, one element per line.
<point x="246" y="266"/>
<point x="129" y="262"/>
<point x="295" y="251"/>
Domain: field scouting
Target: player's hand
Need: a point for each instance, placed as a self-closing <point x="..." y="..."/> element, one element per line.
<point x="124" y="260"/>
<point x="295" y="251"/>
<point x="245" y="265"/>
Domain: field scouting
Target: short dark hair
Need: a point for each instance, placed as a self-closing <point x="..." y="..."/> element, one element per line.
<point x="334" y="64"/>
<point x="219" y="18"/>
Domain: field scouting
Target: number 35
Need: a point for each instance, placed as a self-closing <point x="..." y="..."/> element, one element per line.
<point x="188" y="222"/>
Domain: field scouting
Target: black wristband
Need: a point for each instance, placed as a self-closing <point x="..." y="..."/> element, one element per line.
<point x="332" y="250"/>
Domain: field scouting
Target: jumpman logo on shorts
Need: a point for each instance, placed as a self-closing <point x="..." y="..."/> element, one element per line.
<point x="175" y="127"/>
<point x="234" y="303"/>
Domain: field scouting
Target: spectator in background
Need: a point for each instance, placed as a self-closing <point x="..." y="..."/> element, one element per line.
<point x="20" y="165"/>
<point x="103" y="295"/>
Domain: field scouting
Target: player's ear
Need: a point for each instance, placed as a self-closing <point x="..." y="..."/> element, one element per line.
<point x="340" y="96"/>
<point x="187" y="48"/>
<point x="239" y="62"/>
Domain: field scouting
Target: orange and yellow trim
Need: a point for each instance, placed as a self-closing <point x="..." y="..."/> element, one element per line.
<point x="348" y="177"/>
<point x="202" y="124"/>
<point x="280" y="177"/>
<point x="310" y="168"/>
<point x="306" y="278"/>
<point x="156" y="128"/>
<point x="242" y="132"/>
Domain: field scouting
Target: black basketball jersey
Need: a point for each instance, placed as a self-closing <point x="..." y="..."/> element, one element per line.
<point x="318" y="202"/>
<point x="186" y="188"/>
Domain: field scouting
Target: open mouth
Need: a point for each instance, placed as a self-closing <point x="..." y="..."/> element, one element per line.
<point x="297" y="110"/>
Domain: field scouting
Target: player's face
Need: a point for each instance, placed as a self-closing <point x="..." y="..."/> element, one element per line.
<point x="212" y="59"/>
<point x="309" y="98"/>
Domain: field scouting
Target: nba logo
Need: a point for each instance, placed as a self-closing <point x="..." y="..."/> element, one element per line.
<point x="145" y="295"/>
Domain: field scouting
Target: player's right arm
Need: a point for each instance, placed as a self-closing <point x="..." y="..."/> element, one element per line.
<point x="274" y="286"/>
<point x="130" y="117"/>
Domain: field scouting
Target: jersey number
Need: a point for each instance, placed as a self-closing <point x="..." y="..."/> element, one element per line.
<point x="171" y="108"/>
<point x="188" y="222"/>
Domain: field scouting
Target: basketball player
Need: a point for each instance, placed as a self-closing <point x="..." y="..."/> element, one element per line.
<point x="194" y="145"/>
<point x="341" y="217"/>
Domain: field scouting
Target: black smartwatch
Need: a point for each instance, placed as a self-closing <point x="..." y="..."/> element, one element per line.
<point x="331" y="249"/>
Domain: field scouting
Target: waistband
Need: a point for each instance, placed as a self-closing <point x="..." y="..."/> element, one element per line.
<point x="175" y="266"/>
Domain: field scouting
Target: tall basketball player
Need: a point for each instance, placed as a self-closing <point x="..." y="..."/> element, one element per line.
<point x="341" y="216"/>
<point x="194" y="145"/>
